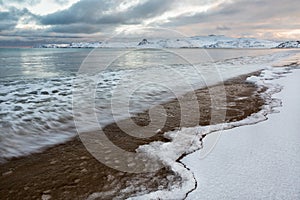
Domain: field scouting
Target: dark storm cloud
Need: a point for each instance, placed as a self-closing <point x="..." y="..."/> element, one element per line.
<point x="84" y="11"/>
<point x="7" y="21"/>
<point x="149" y="9"/>
<point x="75" y="28"/>
<point x="10" y="18"/>
<point x="102" y="12"/>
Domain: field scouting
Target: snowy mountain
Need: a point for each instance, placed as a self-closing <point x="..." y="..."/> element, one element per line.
<point x="144" y="42"/>
<point x="289" y="44"/>
<point x="212" y="41"/>
<point x="241" y="43"/>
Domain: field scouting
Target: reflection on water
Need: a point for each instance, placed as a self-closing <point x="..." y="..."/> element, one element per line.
<point x="39" y="63"/>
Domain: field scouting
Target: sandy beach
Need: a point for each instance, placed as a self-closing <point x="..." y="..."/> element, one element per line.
<point x="68" y="171"/>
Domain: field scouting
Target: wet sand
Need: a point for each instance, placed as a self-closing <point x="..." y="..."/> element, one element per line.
<point x="68" y="171"/>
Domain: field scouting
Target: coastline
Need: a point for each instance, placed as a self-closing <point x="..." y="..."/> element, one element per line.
<point x="267" y="152"/>
<point x="68" y="171"/>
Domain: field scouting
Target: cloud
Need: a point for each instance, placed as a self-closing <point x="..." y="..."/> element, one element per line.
<point x="84" y="18"/>
<point x="7" y="21"/>
<point x="243" y="17"/>
<point x="223" y="28"/>
<point x="61" y="1"/>
<point x="101" y="13"/>
<point x="10" y="18"/>
<point x="82" y="12"/>
<point x="76" y="28"/>
<point x="26" y="2"/>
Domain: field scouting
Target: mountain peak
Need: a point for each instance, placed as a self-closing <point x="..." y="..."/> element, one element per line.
<point x="289" y="44"/>
<point x="143" y="42"/>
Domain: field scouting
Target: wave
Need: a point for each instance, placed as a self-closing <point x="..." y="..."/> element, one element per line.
<point x="37" y="113"/>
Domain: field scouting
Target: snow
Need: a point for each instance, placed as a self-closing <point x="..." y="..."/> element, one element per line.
<point x="258" y="161"/>
<point x="212" y="41"/>
<point x="289" y="44"/>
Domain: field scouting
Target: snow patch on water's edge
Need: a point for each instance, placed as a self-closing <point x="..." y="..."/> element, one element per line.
<point x="188" y="140"/>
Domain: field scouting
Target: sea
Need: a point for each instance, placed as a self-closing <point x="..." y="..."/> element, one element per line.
<point x="41" y="88"/>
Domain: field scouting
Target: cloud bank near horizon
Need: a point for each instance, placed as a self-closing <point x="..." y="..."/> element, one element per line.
<point x="65" y="20"/>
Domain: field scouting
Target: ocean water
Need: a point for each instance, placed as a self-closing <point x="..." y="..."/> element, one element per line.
<point x="37" y="86"/>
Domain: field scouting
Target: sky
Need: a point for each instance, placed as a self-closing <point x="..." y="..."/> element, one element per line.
<point x="32" y="21"/>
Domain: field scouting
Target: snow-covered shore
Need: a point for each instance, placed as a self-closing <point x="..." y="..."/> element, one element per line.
<point x="260" y="161"/>
<point x="256" y="158"/>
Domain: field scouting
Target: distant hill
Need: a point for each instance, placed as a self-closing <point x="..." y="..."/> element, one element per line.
<point x="211" y="41"/>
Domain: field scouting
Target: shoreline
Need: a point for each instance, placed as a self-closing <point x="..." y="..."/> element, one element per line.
<point x="68" y="171"/>
<point x="256" y="151"/>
